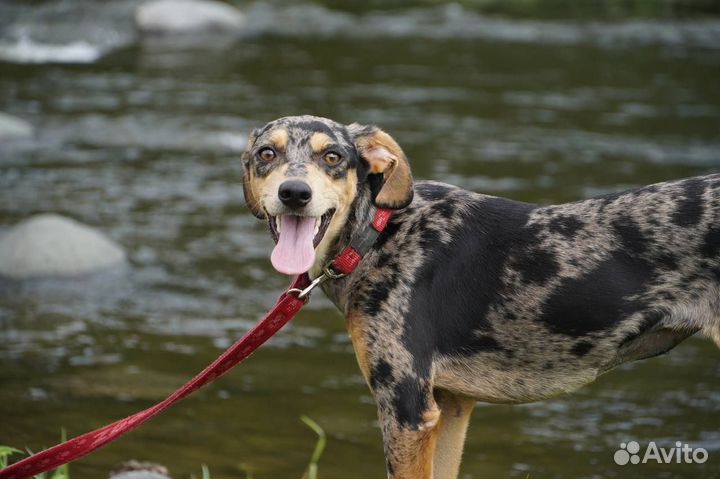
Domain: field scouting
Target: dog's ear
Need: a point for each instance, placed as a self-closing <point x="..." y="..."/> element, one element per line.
<point x="250" y="198"/>
<point x="384" y="156"/>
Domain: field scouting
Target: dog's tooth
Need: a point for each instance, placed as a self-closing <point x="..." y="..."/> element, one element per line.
<point x="317" y="225"/>
<point x="278" y="221"/>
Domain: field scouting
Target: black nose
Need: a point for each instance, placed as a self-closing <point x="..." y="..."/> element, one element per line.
<point x="295" y="193"/>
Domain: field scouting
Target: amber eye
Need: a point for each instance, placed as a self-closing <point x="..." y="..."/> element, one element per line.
<point x="267" y="154"/>
<point x="332" y="158"/>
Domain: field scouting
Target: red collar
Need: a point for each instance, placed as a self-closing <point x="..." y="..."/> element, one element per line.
<point x="346" y="262"/>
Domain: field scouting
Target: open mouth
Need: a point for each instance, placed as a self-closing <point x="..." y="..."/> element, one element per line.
<point x="296" y="238"/>
<point x="321" y="226"/>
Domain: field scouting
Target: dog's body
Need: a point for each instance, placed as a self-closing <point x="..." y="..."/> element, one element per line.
<point x="469" y="297"/>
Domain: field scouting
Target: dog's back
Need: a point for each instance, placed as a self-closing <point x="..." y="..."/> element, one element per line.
<point x="537" y="300"/>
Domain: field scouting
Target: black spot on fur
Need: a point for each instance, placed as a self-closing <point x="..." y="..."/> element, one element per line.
<point x="459" y="280"/>
<point x="378" y="294"/>
<point x="711" y="243"/>
<point x="409" y="402"/>
<point x="417" y="225"/>
<point x="383" y="260"/>
<point x="598" y="300"/>
<point x="716" y="273"/>
<point x="668" y="260"/>
<point x="630" y="235"/>
<point x="263" y="169"/>
<point x="335" y="172"/>
<point x="548" y="365"/>
<point x="690" y="208"/>
<point x="482" y="343"/>
<point x="346" y="136"/>
<point x="581" y="348"/>
<point x="433" y="191"/>
<point x="381" y="374"/>
<point x="389" y="231"/>
<point x="667" y="295"/>
<point x="536" y="266"/>
<point x="265" y="129"/>
<point x="429" y="237"/>
<point x="316" y="126"/>
<point x="566" y="225"/>
<point x="446" y="208"/>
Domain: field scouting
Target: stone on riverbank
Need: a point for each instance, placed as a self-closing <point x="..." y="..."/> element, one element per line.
<point x="139" y="470"/>
<point x="50" y="245"/>
<point x="188" y="16"/>
<point x="13" y="128"/>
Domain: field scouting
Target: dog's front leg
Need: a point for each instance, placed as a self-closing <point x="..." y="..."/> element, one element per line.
<point x="409" y="418"/>
<point x="407" y="409"/>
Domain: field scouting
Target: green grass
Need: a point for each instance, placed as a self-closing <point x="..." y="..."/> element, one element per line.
<point x="312" y="469"/>
<point x="63" y="472"/>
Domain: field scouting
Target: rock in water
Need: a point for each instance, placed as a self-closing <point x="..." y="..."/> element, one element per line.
<point x="188" y="16"/>
<point x="51" y="245"/>
<point x="139" y="470"/>
<point x="12" y="128"/>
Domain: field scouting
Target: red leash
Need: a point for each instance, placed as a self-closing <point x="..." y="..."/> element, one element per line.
<point x="284" y="310"/>
<point x="286" y="307"/>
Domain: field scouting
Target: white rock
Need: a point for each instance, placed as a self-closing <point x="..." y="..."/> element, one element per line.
<point x="52" y="245"/>
<point x="13" y="128"/>
<point x="188" y="16"/>
<point x="139" y="475"/>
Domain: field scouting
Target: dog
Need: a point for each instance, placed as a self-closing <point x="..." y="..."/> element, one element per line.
<point x="466" y="297"/>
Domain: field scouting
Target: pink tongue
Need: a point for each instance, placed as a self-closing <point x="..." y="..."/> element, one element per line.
<point x="294" y="252"/>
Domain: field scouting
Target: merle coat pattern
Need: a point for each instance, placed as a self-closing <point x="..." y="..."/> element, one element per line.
<point x="467" y="297"/>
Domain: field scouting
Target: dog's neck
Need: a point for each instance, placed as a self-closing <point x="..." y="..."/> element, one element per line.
<point x="360" y="216"/>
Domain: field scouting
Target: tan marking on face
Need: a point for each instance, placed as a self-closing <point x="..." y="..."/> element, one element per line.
<point x="340" y="194"/>
<point x="266" y="188"/>
<point x="319" y="141"/>
<point x="328" y="193"/>
<point x="317" y="180"/>
<point x="279" y="138"/>
<point x="250" y="188"/>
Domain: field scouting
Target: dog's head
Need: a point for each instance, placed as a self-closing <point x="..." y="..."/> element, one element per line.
<point x="303" y="174"/>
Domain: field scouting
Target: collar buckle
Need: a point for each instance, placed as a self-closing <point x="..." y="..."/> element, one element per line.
<point x="328" y="272"/>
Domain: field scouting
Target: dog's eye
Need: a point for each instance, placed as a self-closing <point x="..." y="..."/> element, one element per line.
<point x="332" y="158"/>
<point x="267" y="154"/>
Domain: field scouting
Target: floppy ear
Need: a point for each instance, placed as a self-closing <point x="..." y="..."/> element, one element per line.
<point x="250" y="198"/>
<point x="384" y="156"/>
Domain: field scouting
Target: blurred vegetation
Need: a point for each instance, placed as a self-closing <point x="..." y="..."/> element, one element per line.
<point x="547" y="9"/>
<point x="63" y="472"/>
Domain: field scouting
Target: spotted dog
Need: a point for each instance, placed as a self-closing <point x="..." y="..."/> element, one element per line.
<point x="468" y="297"/>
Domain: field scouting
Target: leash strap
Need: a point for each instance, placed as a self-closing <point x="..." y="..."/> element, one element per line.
<point x="284" y="310"/>
<point x="286" y="307"/>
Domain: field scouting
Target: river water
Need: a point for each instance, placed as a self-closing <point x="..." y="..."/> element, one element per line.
<point x="141" y="138"/>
